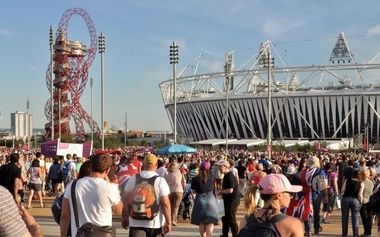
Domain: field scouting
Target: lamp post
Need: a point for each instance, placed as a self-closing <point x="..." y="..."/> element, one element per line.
<point x="5" y="140"/>
<point x="269" y="63"/>
<point x="227" y="71"/>
<point x="92" y="120"/>
<point x="366" y="132"/>
<point x="126" y="129"/>
<point x="59" y="112"/>
<point x="51" y="43"/>
<point x="174" y="58"/>
<point x="102" y="50"/>
<point x="28" y="120"/>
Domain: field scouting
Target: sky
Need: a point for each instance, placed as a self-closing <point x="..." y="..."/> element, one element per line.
<point x="138" y="35"/>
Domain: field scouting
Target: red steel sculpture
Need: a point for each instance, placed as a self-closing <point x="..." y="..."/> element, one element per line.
<point x="71" y="62"/>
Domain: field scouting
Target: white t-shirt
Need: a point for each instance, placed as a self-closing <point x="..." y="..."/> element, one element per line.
<point x="95" y="198"/>
<point x="42" y="163"/>
<point x="161" y="171"/>
<point x="161" y="188"/>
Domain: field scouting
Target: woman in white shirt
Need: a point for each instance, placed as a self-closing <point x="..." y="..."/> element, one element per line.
<point x="234" y="170"/>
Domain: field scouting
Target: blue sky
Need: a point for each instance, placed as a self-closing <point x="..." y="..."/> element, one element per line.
<point x="138" y="35"/>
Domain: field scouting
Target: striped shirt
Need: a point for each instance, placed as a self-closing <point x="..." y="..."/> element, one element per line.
<point x="11" y="224"/>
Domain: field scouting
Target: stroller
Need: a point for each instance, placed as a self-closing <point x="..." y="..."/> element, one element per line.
<point x="186" y="206"/>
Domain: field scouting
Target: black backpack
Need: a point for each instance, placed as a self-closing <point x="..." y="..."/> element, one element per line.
<point x="374" y="203"/>
<point x="56" y="210"/>
<point x="262" y="227"/>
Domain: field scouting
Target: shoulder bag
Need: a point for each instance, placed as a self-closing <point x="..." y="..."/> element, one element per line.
<point x="89" y="229"/>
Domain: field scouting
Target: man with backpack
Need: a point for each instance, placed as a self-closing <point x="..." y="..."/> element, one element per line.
<point x="68" y="170"/>
<point x="146" y="209"/>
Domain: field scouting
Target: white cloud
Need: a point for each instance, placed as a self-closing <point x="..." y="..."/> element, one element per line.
<point x="158" y="74"/>
<point x="274" y="28"/>
<point x="374" y="31"/>
<point x="5" y="32"/>
<point x="32" y="68"/>
<point x="166" y="42"/>
<point x="211" y="66"/>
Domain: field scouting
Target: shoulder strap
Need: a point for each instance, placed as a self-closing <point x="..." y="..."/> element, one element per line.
<point x="277" y="218"/>
<point x="251" y="218"/>
<point x="138" y="179"/>
<point x="151" y="180"/>
<point x="74" y="202"/>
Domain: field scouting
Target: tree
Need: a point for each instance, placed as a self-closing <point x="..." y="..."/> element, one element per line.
<point x="144" y="143"/>
<point x="215" y="148"/>
<point x="279" y="148"/>
<point x="297" y="147"/>
<point x="66" y="138"/>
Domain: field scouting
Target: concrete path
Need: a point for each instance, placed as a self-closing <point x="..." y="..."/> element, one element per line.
<point x="50" y="228"/>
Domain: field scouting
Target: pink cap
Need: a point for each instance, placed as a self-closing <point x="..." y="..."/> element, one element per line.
<point x="277" y="183"/>
<point x="205" y="165"/>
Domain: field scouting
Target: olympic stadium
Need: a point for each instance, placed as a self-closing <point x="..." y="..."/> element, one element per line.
<point x="342" y="104"/>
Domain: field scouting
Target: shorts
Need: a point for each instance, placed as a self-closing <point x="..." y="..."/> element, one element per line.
<point x="56" y="181"/>
<point x="35" y="187"/>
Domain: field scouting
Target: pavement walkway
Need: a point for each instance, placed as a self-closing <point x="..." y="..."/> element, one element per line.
<point x="185" y="229"/>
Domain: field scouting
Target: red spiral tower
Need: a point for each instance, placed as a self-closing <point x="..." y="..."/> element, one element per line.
<point x="71" y="62"/>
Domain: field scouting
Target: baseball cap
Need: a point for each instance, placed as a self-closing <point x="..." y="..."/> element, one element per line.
<point x="223" y="162"/>
<point x="277" y="183"/>
<point x="205" y="165"/>
<point x="150" y="159"/>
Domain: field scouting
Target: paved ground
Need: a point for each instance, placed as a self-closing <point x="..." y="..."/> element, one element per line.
<point x="185" y="229"/>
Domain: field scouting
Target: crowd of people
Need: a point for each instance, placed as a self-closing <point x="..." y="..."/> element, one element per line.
<point x="296" y="191"/>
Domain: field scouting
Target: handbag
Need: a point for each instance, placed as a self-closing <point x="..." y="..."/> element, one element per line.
<point x="220" y="204"/>
<point x="89" y="229"/>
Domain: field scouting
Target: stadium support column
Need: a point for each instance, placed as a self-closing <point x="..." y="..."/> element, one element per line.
<point x="92" y="103"/>
<point x="51" y="43"/>
<point x="174" y="58"/>
<point x="102" y="50"/>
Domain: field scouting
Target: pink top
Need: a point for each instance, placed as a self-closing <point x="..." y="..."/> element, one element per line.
<point x="257" y="179"/>
<point x="174" y="180"/>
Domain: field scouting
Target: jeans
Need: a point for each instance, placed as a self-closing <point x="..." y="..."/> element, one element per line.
<point x="353" y="204"/>
<point x="366" y="215"/>
<point x="317" y="200"/>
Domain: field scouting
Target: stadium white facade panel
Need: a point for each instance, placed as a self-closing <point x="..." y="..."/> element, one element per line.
<point x="304" y="115"/>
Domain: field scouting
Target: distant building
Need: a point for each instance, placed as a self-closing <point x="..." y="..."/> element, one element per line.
<point x="21" y="125"/>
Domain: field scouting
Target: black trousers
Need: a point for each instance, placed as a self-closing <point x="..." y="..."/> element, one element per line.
<point x="229" y="221"/>
<point x="366" y="215"/>
<point x="145" y="232"/>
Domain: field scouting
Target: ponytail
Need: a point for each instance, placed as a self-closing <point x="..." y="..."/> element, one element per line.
<point x="249" y="199"/>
